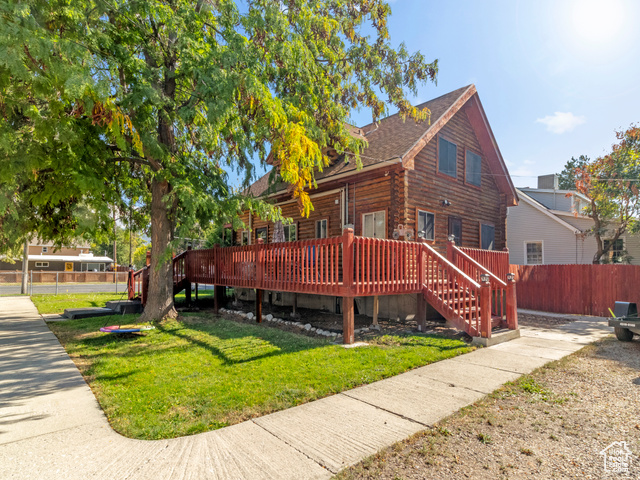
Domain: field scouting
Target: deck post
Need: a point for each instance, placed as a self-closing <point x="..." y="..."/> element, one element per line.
<point x="259" y="278"/>
<point x="512" y="303"/>
<point x="347" y="283"/>
<point x="451" y="242"/>
<point x="485" y="307"/>
<point x="218" y="297"/>
<point x="376" y="309"/>
<point x="347" y="320"/>
<point x="421" y="310"/>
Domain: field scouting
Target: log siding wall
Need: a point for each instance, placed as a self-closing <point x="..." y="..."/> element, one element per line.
<point x="427" y="188"/>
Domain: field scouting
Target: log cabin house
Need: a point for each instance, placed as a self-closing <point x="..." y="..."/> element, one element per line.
<point x="429" y="181"/>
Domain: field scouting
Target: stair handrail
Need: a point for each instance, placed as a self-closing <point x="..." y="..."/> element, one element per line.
<point x="450" y="265"/>
<point x="482" y="268"/>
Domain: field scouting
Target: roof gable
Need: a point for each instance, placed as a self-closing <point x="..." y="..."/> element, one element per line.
<point x="545" y="211"/>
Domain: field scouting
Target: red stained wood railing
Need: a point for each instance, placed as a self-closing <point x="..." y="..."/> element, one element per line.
<point x="475" y="269"/>
<point x="497" y="262"/>
<point x="453" y="293"/>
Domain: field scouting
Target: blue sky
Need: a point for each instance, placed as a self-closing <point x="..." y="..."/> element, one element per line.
<point x="556" y="77"/>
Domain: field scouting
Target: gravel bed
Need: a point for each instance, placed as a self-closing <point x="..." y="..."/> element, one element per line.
<point x="551" y="424"/>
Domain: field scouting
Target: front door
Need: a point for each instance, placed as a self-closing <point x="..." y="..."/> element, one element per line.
<point x="455" y="229"/>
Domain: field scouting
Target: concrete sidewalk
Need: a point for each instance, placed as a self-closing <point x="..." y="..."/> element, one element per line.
<point x="51" y="425"/>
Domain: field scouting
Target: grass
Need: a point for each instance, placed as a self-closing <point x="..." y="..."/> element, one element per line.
<point x="203" y="372"/>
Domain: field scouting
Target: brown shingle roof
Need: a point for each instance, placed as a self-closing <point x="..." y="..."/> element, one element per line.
<point x="393" y="138"/>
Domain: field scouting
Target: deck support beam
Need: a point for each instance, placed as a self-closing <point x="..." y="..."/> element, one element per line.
<point x="421" y="313"/>
<point x="219" y="299"/>
<point x="347" y="320"/>
<point x="259" y="305"/>
<point x="376" y="309"/>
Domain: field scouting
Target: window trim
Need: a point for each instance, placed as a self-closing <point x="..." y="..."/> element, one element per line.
<point x="242" y="237"/>
<point x="45" y="249"/>
<point x="285" y="227"/>
<point x="438" y="172"/>
<point x="386" y="217"/>
<point x="488" y="224"/>
<point x="473" y="185"/>
<point x="418" y="210"/>
<point x="42" y="265"/>
<point x="541" y="242"/>
<point x="320" y="220"/>
<point x="611" y="251"/>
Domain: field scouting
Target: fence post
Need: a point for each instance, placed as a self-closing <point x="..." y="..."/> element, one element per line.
<point x="259" y="277"/>
<point x="347" y="285"/>
<point x="451" y="252"/>
<point x="421" y="310"/>
<point x="485" y="306"/>
<point x="512" y="302"/>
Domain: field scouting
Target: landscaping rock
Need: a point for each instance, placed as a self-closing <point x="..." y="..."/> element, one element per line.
<point x="250" y="316"/>
<point x="307" y="327"/>
<point x="269" y="317"/>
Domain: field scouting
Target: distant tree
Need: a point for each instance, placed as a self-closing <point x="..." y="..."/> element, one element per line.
<point x="611" y="183"/>
<point x="152" y="98"/>
<point x="567" y="177"/>
<point x="126" y="241"/>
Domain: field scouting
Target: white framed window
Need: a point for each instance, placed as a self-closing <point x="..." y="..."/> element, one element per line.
<point x="45" y="249"/>
<point x="42" y="264"/>
<point x="473" y="168"/>
<point x="321" y="228"/>
<point x="533" y="253"/>
<point x="244" y="238"/>
<point x="290" y="234"/>
<point x="616" y="250"/>
<point x="487" y="236"/>
<point x="373" y="224"/>
<point x="426" y="225"/>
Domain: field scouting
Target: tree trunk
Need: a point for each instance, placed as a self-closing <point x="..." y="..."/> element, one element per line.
<point x="25" y="267"/>
<point x="160" y="298"/>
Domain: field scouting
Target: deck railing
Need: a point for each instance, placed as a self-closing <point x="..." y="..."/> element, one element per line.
<point x="494" y="260"/>
<point x="460" y="287"/>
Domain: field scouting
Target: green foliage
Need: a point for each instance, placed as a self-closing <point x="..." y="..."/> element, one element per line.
<point x="110" y="103"/>
<point x="124" y="242"/>
<point x="611" y="183"/>
<point x="567" y="178"/>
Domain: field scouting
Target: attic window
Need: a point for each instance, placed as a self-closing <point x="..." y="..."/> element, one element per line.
<point x="45" y="249"/>
<point x="447" y="155"/>
<point x="473" y="168"/>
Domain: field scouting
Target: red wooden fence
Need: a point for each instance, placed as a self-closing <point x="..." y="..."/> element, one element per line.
<point x="495" y="261"/>
<point x="578" y="289"/>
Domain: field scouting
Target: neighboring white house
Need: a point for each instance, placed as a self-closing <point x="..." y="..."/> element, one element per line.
<point x="547" y="228"/>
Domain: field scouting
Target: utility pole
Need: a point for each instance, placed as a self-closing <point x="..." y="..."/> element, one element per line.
<point x="25" y="267"/>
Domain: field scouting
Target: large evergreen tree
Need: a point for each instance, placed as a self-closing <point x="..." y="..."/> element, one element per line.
<point x="105" y="100"/>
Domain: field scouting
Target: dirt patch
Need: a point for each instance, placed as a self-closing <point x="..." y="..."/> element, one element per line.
<point x="332" y="322"/>
<point x="543" y="321"/>
<point x="550" y="424"/>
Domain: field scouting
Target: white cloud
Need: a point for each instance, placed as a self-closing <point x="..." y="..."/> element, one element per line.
<point x="561" y="122"/>
<point x="529" y="162"/>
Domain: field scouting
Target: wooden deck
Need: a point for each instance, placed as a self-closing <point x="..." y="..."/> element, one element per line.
<point x="463" y="290"/>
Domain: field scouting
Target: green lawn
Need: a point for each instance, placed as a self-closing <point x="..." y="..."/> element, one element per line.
<point x="204" y="372"/>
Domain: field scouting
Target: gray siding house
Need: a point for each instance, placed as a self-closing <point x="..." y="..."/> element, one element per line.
<point x="547" y="228"/>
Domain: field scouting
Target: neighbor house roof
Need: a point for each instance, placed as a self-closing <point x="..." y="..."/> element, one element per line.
<point x="393" y="139"/>
<point x="545" y="211"/>
<point x="69" y="258"/>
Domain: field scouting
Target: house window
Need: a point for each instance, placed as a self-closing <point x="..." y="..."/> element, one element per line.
<point x="533" y="253"/>
<point x="42" y="264"/>
<point x="616" y="250"/>
<point x="245" y="238"/>
<point x="45" y="249"/>
<point x="426" y="225"/>
<point x="473" y="168"/>
<point x="321" y="228"/>
<point x="487" y="237"/>
<point x="373" y="224"/>
<point x="290" y="233"/>
<point x="261" y="233"/>
<point x="447" y="155"/>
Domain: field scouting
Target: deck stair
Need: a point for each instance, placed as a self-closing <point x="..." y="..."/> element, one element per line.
<point x="461" y="288"/>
